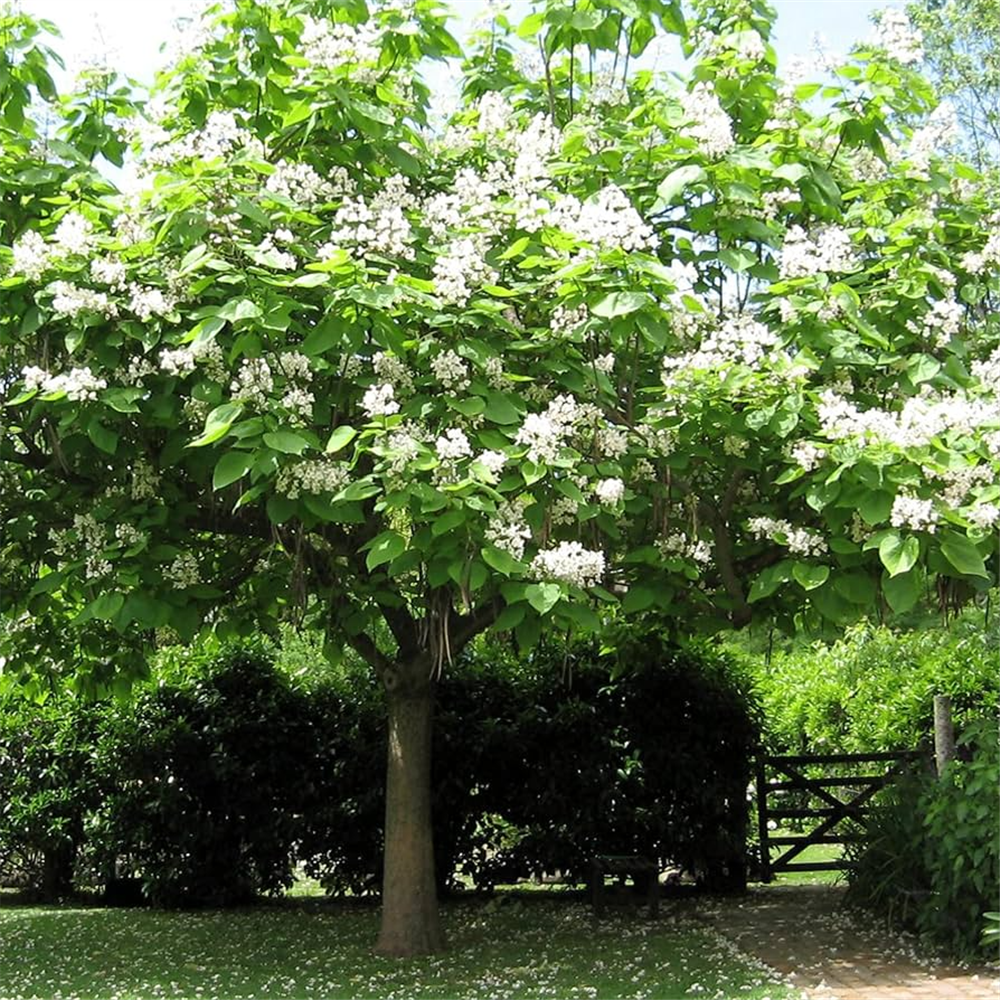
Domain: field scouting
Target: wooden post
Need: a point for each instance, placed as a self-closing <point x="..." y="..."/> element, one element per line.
<point x="944" y="732"/>
<point x="765" y="847"/>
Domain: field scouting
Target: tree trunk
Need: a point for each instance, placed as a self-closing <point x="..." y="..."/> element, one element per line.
<point x="411" y="924"/>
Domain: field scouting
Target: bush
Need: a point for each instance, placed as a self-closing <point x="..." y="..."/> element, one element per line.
<point x="47" y="787"/>
<point x="646" y="752"/>
<point x="932" y="860"/>
<point x="874" y="689"/>
<point x="208" y="782"/>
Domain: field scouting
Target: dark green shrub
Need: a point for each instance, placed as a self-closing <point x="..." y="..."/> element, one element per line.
<point x="647" y="752"/>
<point x="932" y="861"/>
<point x="208" y="781"/>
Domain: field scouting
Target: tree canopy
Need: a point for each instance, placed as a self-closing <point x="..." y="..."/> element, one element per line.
<point x="719" y="347"/>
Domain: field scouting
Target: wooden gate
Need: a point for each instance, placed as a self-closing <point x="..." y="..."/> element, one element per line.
<point x="779" y="778"/>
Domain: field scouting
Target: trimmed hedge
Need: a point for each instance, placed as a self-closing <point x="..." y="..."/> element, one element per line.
<point x="211" y="787"/>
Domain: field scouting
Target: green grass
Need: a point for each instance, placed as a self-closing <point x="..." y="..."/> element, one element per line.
<point x="813" y="853"/>
<point x="533" y="947"/>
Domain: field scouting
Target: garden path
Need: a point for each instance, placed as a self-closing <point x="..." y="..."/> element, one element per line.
<point x="804" y="932"/>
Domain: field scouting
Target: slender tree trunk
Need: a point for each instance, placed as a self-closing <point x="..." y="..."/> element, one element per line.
<point x="411" y="924"/>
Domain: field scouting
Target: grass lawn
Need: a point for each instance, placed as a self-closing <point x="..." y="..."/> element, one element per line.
<point x="813" y="853"/>
<point x="533" y="947"/>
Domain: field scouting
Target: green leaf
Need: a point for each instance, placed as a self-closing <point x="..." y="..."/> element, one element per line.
<point x="217" y="424"/>
<point x="638" y="599"/>
<point x="502" y="562"/>
<point x="677" y="180"/>
<point x="620" y="304"/>
<point x="961" y="552"/>
<point x="104" y="607"/>
<point x="809" y="576"/>
<point x="239" y="309"/>
<point x="286" y="442"/>
<point x="328" y="334"/>
<point x="901" y="592"/>
<point x="500" y="410"/>
<point x="510" y="617"/>
<point x="384" y="549"/>
<point x="898" y="554"/>
<point x="103" y="437"/>
<point x="280" y="509"/>
<point x="875" y="506"/>
<point x="543" y="597"/>
<point x="447" y="521"/>
<point x="232" y="466"/>
<point x="341" y="437"/>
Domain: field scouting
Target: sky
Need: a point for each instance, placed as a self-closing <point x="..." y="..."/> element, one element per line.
<point x="133" y="30"/>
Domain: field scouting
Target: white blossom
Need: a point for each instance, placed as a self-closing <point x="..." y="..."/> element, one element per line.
<point x="70" y="300"/>
<point x="450" y="370"/>
<point x="508" y="531"/>
<point x="183" y="572"/>
<point x="609" y="492"/>
<point x="74" y="234"/>
<point x="708" y="122"/>
<point x="826" y="248"/>
<point x="254" y="382"/>
<point x="379" y="401"/>
<point x="901" y="41"/>
<point x="453" y="445"/>
<point x="912" y="512"/>
<point x="569" y="562"/>
<point x="800" y="541"/>
<point x="31" y="256"/>
<point x="317" y="476"/>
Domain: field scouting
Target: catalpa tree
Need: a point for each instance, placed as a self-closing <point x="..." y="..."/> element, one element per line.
<point x="601" y="340"/>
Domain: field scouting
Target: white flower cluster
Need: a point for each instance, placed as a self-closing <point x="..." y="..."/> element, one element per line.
<point x="609" y="492"/>
<point x="984" y="515"/>
<point x="960" y="482"/>
<point x="508" y="531"/>
<point x="220" y="134"/>
<point x="898" y="37"/>
<point x="827" y="249"/>
<point x="379" y="401"/>
<point x="90" y="538"/>
<point x="677" y="544"/>
<point x="546" y="434"/>
<point x="563" y="510"/>
<point x="183" y="360"/>
<point x="912" y="512"/>
<point x="183" y="572"/>
<point x="921" y="419"/>
<point x="708" y="123"/>
<point x="318" y="476"/>
<point x="461" y="268"/>
<point x="74" y="234"/>
<point x="493" y="463"/>
<point x="299" y="183"/>
<point x="70" y="300"/>
<point x="740" y="340"/>
<point x="611" y="441"/>
<point x="450" y="370"/>
<point x="129" y="536"/>
<point x="109" y="271"/>
<point x="402" y="448"/>
<point x="493" y="370"/>
<point x="942" y="321"/>
<point x="807" y="455"/>
<point x="935" y="138"/>
<point x="254" y="382"/>
<point x="605" y="363"/>
<point x="978" y="261"/>
<point x="800" y="541"/>
<point x="148" y="302"/>
<point x="570" y="562"/>
<point x="333" y="46"/>
<point x="988" y="372"/>
<point x="565" y="320"/>
<point x="31" y="256"/>
<point x="393" y="371"/>
<point x="381" y="228"/>
<point x="607" y="220"/>
<point x="453" y="445"/>
<point x="79" y="384"/>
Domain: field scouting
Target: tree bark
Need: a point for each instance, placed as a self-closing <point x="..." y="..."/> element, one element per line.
<point x="411" y="924"/>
